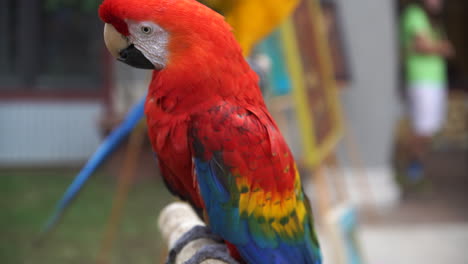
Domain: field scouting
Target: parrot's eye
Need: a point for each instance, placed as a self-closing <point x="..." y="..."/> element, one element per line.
<point x="146" y="30"/>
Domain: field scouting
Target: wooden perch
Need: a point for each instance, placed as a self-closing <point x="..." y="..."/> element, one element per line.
<point x="174" y="221"/>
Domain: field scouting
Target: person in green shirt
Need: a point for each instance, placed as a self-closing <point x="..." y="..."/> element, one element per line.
<point x="425" y="49"/>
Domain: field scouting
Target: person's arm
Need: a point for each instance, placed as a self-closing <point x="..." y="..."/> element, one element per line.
<point x="423" y="44"/>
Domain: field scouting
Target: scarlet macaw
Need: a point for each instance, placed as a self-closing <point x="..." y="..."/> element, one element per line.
<point x="239" y="13"/>
<point x="217" y="145"/>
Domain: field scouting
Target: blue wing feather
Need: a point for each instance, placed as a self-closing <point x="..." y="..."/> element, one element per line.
<point x="252" y="195"/>
<point x="226" y="222"/>
<point x="214" y="196"/>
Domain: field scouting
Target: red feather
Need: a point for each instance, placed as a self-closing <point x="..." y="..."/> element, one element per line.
<point x="205" y="67"/>
<point x="208" y="95"/>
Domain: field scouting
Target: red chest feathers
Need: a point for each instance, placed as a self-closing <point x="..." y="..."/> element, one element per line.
<point x="168" y="132"/>
<point x="168" y="135"/>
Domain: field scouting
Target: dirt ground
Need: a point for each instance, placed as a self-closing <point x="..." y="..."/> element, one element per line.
<point x="430" y="225"/>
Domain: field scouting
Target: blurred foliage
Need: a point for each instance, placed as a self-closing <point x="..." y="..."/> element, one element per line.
<point x="86" y="6"/>
<point x="28" y="197"/>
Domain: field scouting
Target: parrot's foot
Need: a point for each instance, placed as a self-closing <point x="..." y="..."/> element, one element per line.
<point x="213" y="251"/>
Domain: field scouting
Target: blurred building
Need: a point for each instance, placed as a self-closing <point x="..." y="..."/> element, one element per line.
<point x="55" y="82"/>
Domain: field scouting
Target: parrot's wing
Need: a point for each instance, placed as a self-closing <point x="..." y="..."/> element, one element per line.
<point x="134" y="116"/>
<point x="250" y="186"/>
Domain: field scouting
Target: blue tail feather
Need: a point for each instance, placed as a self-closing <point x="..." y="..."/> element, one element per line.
<point x="112" y="141"/>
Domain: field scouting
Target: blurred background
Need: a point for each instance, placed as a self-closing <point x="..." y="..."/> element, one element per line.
<point x="61" y="94"/>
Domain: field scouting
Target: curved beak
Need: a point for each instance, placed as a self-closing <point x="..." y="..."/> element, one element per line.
<point x="121" y="48"/>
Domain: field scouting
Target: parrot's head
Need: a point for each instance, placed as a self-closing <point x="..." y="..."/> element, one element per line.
<point x="158" y="34"/>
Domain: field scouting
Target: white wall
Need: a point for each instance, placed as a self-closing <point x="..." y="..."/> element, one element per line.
<point x="48" y="133"/>
<point x="56" y="133"/>
<point x="131" y="85"/>
<point x="370" y="102"/>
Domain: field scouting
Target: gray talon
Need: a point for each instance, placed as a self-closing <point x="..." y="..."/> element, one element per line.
<point x="195" y="233"/>
<point x="214" y="251"/>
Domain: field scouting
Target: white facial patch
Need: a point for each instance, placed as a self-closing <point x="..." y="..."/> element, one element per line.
<point x="151" y="40"/>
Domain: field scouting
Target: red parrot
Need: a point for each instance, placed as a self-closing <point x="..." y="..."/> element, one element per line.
<point x="218" y="147"/>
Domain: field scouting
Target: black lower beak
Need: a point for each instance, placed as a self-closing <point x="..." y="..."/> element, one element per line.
<point x="133" y="57"/>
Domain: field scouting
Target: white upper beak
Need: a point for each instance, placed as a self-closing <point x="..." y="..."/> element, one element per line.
<point x="115" y="42"/>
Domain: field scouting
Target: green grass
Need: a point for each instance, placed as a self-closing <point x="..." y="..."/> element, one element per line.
<point x="28" y="197"/>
